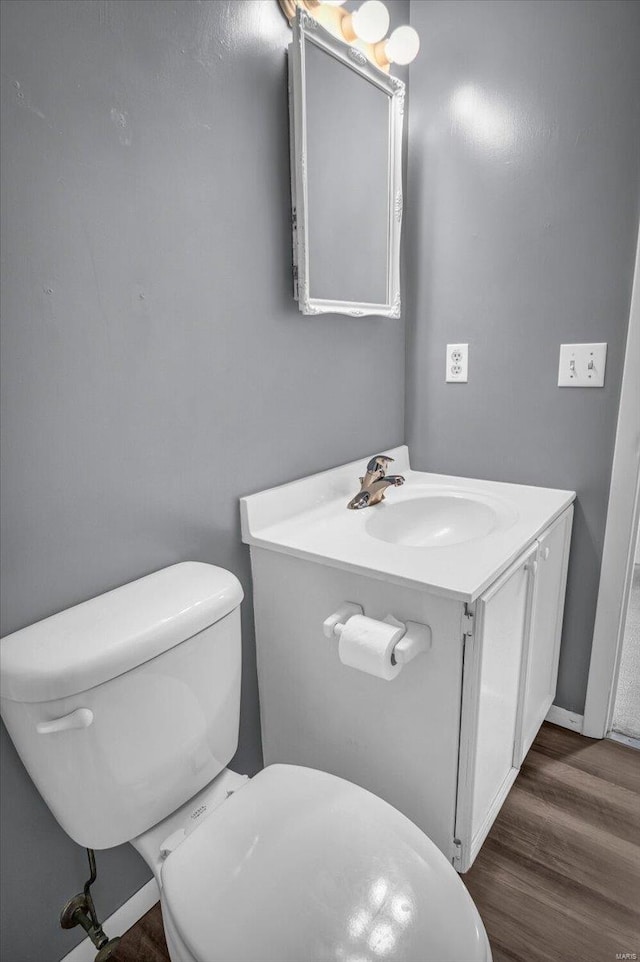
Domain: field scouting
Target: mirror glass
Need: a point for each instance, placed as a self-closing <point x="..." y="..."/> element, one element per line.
<point x="347" y="181"/>
<point x="346" y="120"/>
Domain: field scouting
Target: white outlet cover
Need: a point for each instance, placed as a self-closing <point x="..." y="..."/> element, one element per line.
<point x="582" y="365"/>
<point x="457" y="363"/>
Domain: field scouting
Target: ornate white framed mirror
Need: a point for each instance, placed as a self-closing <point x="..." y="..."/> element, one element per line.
<point x="346" y="176"/>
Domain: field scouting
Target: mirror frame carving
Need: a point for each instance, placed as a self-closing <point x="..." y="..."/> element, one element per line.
<point x="306" y="29"/>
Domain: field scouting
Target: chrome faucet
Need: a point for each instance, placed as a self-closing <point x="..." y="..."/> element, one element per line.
<point x="375" y="482"/>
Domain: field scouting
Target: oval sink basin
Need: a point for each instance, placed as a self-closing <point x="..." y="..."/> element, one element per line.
<point x="432" y="521"/>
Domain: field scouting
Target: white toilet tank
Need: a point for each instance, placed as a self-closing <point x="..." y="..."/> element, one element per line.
<point x="125" y="706"/>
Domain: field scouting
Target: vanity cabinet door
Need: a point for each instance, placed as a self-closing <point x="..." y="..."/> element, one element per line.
<point x="542" y="650"/>
<point x="491" y="683"/>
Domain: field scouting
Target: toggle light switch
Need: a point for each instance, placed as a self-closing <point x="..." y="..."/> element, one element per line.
<point x="582" y="365"/>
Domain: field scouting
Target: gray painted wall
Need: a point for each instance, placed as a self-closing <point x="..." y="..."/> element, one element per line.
<point x="155" y="365"/>
<point x="522" y="216"/>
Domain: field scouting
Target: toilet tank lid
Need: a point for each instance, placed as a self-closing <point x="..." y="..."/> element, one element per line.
<point x="100" y="639"/>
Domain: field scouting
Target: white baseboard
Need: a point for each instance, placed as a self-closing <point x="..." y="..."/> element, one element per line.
<point x="629" y="740"/>
<point x="564" y="718"/>
<point x="118" y="923"/>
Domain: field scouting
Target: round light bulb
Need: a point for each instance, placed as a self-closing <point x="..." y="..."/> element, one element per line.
<point x="403" y="45"/>
<point x="371" y="21"/>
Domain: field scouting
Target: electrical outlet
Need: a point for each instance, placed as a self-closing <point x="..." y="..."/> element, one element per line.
<point x="457" y="363"/>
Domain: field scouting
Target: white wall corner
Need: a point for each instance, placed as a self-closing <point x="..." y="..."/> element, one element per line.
<point x="118" y="923"/>
<point x="565" y="718"/>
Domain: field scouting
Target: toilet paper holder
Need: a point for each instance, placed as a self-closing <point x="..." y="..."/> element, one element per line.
<point x="416" y="638"/>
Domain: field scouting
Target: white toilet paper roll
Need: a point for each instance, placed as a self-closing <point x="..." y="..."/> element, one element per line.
<point x="367" y="644"/>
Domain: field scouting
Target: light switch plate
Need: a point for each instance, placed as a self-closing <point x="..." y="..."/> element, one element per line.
<point x="582" y="365"/>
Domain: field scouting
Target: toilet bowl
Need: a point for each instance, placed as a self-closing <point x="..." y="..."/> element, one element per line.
<point x="125" y="712"/>
<point x="299" y="864"/>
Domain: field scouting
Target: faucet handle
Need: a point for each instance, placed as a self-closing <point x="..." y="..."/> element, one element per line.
<point x="379" y="462"/>
<point x="376" y="469"/>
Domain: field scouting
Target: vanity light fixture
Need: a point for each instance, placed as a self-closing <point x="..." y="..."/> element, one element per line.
<point x="364" y="29"/>
<point x="369" y="23"/>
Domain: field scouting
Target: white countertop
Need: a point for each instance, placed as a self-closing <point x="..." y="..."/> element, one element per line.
<point x="309" y="519"/>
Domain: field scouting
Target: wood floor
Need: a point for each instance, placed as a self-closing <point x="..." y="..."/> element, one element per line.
<point x="558" y="878"/>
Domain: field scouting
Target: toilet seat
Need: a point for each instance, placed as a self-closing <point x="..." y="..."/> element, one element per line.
<point x="302" y="866"/>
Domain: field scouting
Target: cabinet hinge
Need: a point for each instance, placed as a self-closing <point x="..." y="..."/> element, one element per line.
<point x="457" y="853"/>
<point x="467" y="623"/>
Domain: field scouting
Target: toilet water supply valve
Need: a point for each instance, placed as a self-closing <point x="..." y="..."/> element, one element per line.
<point x="376" y="647"/>
<point x="80" y="910"/>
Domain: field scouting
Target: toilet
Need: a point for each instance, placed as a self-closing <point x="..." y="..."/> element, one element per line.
<point x="125" y="713"/>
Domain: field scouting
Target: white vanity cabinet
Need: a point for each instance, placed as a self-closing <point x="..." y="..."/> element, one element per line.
<point x="511" y="652"/>
<point x="540" y="657"/>
<point x="444" y="739"/>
